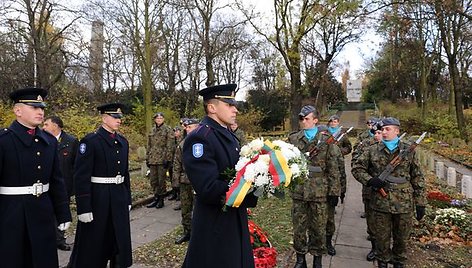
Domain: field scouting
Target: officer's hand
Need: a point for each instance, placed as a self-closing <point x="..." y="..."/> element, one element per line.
<point x="342" y="197"/>
<point x="420" y="211"/>
<point x="376" y="183"/>
<point x="63" y="226"/>
<point x="332" y="200"/>
<point x="86" y="217"/>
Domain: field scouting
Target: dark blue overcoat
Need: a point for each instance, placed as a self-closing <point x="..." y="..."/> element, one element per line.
<point x="218" y="239"/>
<point x="27" y="222"/>
<point x="101" y="155"/>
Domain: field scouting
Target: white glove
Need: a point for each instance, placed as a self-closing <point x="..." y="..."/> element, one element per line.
<point x="86" y="217"/>
<point x="129" y="207"/>
<point x="63" y="226"/>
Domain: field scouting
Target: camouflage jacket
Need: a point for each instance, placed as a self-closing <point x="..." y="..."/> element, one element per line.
<point x="161" y="145"/>
<point x="345" y="146"/>
<point x="178" y="170"/>
<point x="361" y="137"/>
<point x="401" y="198"/>
<point x="241" y="137"/>
<point x="324" y="179"/>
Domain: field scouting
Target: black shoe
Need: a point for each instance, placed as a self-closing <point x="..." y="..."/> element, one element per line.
<point x="301" y="261"/>
<point x="178" y="207"/>
<point x="398" y="265"/>
<point x="371" y="255"/>
<point x="64" y="247"/>
<point x="329" y="246"/>
<point x="317" y="262"/>
<point x="152" y="204"/>
<point x="184" y="238"/>
<point x="160" y="202"/>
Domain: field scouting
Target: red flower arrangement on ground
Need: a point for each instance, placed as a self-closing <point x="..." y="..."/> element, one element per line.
<point x="440" y="196"/>
<point x="265" y="256"/>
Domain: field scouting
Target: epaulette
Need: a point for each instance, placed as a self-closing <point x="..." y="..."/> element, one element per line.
<point x="203" y="129"/>
<point x="3" y="131"/>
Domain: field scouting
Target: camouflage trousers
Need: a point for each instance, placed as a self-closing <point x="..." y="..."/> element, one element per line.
<point x="309" y="227"/>
<point x="330" y="223"/>
<point x="186" y="202"/>
<point x="390" y="226"/>
<point x="369" y="216"/>
<point x="157" y="179"/>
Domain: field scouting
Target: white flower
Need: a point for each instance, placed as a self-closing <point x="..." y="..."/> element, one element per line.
<point x="250" y="173"/>
<point x="241" y="163"/>
<point x="245" y="151"/>
<point x="295" y="169"/>
<point x="256" y="145"/>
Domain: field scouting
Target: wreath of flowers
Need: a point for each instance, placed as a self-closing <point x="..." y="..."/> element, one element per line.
<point x="263" y="167"/>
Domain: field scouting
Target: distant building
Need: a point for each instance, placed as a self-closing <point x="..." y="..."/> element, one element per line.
<point x="354" y="90"/>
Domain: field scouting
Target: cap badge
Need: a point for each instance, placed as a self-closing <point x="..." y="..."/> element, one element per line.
<point x="39" y="98"/>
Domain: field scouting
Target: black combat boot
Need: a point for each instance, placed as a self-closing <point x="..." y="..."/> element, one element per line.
<point x="173" y="194"/>
<point x="329" y="246"/>
<point x="371" y="254"/>
<point x="184" y="238"/>
<point x="382" y="264"/>
<point x="301" y="261"/>
<point x="317" y="262"/>
<point x="153" y="203"/>
<point x="160" y="201"/>
<point x="398" y="265"/>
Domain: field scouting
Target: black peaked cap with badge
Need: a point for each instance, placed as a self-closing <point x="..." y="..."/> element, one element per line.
<point x="223" y="93"/>
<point x="112" y="109"/>
<point x="191" y="121"/>
<point x="32" y="96"/>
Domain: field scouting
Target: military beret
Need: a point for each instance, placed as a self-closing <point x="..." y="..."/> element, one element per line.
<point x="333" y="117"/>
<point x="372" y="120"/>
<point x="306" y="110"/>
<point x="112" y="109"/>
<point x="191" y="121"/>
<point x="390" y="121"/>
<point x="158" y="114"/>
<point x="177" y="128"/>
<point x="224" y="93"/>
<point x="30" y="96"/>
<point x="376" y="126"/>
<point x="182" y="120"/>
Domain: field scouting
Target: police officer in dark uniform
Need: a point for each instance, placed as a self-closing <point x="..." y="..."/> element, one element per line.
<point x="103" y="195"/>
<point x="219" y="238"/>
<point x="32" y="191"/>
<point x="67" y="150"/>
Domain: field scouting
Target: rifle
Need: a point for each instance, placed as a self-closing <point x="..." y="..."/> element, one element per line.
<point x="395" y="162"/>
<point x="333" y="139"/>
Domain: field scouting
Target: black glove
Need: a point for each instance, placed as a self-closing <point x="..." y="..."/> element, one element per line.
<point x="420" y="211"/>
<point x="342" y="197"/>
<point x="332" y="200"/>
<point x="376" y="183"/>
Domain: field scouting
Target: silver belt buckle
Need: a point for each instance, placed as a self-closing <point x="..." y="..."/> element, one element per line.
<point x="37" y="189"/>
<point x="119" y="179"/>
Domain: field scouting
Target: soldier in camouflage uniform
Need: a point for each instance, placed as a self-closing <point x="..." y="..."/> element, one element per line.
<point x="364" y="135"/>
<point x="175" y="183"/>
<point x="239" y="134"/>
<point x="393" y="213"/>
<point x="376" y="130"/>
<point x="186" y="190"/>
<point x="345" y="146"/>
<point x="160" y="146"/>
<point x="310" y="197"/>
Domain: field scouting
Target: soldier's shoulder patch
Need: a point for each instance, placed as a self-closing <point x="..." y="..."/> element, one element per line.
<point x="82" y="148"/>
<point x="197" y="150"/>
